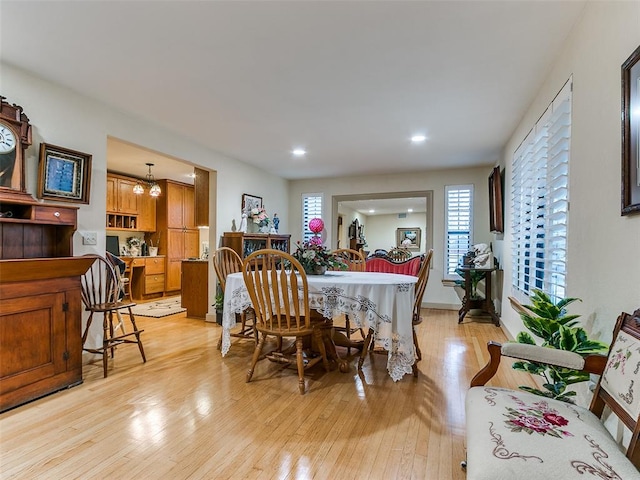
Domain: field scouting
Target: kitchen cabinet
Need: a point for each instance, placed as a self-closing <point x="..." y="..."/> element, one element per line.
<point x="147" y="276"/>
<point x="176" y="229"/>
<point x="195" y="292"/>
<point x="125" y="209"/>
<point x="120" y="196"/>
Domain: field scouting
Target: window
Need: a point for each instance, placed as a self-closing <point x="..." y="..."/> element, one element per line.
<point x="540" y="201"/>
<point x="311" y="208"/>
<point x="458" y="225"/>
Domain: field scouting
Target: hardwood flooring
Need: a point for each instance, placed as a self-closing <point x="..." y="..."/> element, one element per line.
<point x="188" y="413"/>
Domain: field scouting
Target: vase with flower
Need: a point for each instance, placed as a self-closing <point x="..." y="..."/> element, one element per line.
<point x="314" y="257"/>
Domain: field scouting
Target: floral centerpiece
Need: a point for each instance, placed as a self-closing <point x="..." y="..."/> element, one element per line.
<point x="314" y="257"/>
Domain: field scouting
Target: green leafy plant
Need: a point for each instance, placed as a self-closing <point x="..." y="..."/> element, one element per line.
<point x="550" y="322"/>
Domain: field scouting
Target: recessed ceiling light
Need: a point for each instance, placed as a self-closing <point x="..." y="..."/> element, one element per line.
<point x="409" y="210"/>
<point x="299" y="152"/>
<point x="418" y="138"/>
<point x="372" y="211"/>
<point x="191" y="175"/>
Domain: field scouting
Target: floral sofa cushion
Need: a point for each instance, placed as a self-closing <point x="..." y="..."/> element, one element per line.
<point x="512" y="434"/>
<point x="621" y="377"/>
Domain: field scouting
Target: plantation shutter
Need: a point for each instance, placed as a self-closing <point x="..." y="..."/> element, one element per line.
<point x="540" y="201"/>
<point x="311" y="208"/>
<point x="459" y="225"/>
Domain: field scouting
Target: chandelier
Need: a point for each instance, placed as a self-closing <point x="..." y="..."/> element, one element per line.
<point x="154" y="188"/>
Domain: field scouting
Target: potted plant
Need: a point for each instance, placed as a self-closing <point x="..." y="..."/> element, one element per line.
<point x="550" y="322"/>
<point x="219" y="304"/>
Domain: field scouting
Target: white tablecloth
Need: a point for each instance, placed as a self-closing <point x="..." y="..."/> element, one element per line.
<point x="381" y="301"/>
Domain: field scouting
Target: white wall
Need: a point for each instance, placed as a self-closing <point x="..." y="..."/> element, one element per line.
<point x="380" y="230"/>
<point x="436" y="295"/>
<point x="62" y="117"/>
<point x="603" y="247"/>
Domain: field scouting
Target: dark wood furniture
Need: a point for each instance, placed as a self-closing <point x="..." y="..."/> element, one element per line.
<point x="486" y="303"/>
<point x="195" y="287"/>
<point x="40" y="327"/>
<point x="246" y="243"/>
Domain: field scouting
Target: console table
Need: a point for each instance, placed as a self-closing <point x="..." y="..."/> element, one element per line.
<point x="485" y="304"/>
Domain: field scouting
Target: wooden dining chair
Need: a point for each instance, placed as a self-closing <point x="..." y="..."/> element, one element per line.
<point x="355" y="262"/>
<point x="421" y="286"/>
<point x="101" y="294"/>
<point x="225" y="262"/>
<point x="413" y="267"/>
<point x="280" y="298"/>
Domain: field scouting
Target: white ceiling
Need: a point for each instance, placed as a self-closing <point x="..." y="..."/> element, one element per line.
<point x="349" y="81"/>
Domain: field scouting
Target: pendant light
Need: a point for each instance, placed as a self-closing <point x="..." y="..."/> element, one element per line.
<point x="154" y="188"/>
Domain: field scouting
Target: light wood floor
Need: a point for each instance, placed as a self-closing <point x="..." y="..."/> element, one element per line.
<point x="187" y="413"/>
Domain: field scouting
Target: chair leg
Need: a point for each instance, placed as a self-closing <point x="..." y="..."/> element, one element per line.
<point x="105" y="342"/>
<point x="300" y="363"/>
<point x="137" y="334"/>
<point x="415" y="342"/>
<point x="365" y="348"/>
<point x="256" y="355"/>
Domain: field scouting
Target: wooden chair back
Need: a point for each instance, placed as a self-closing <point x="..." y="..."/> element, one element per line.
<point x="101" y="291"/>
<point x="421" y="285"/>
<point x="226" y="261"/>
<point x="99" y="285"/>
<point x="354" y="260"/>
<point x="408" y="267"/>
<point x="277" y="286"/>
<point x="615" y="389"/>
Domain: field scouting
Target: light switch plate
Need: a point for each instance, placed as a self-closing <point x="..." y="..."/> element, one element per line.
<point x="89" y="238"/>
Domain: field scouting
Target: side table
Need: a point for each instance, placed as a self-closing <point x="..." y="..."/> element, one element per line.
<point x="485" y="304"/>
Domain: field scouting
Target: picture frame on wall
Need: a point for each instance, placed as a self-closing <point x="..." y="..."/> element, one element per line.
<point x="64" y="174"/>
<point x="496" y="217"/>
<point x="408" y="238"/>
<point x="250" y="202"/>
<point x="631" y="134"/>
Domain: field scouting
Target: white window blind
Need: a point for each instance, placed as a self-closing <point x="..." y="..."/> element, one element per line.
<point x="540" y="201"/>
<point x="311" y="208"/>
<point x="458" y="225"/>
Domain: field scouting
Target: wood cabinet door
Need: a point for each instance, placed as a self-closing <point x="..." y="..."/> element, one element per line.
<point x="147" y="213"/>
<point x="175" y="243"/>
<point x="112" y="195"/>
<point x="175" y="199"/>
<point x="189" y="208"/>
<point x="173" y="280"/>
<point x="191" y="244"/>
<point x="36" y="321"/>
<point x="127" y="200"/>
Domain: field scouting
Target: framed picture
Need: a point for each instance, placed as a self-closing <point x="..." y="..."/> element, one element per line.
<point x="408" y="238"/>
<point x="631" y="134"/>
<point x="250" y="202"/>
<point x="495" y="202"/>
<point x="64" y="175"/>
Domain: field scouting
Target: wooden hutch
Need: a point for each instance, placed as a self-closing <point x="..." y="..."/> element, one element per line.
<point x="40" y="293"/>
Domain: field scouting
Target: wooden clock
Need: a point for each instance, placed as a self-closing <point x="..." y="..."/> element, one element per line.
<point x="15" y="137"/>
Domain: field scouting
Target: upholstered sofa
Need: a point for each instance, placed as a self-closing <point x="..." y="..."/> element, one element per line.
<point x="513" y="434"/>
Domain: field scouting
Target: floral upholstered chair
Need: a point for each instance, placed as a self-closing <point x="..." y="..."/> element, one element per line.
<point x="513" y="434"/>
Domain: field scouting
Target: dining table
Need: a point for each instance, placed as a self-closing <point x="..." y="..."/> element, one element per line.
<point x="382" y="302"/>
